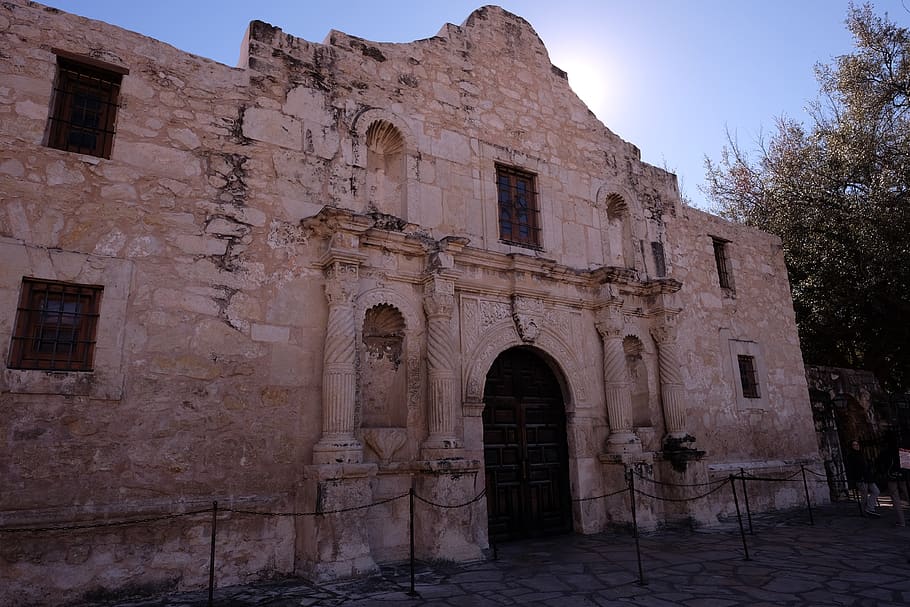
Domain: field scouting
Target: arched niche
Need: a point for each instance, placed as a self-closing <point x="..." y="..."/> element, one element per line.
<point x="620" y="240"/>
<point x="385" y="179"/>
<point x="639" y="381"/>
<point x="383" y="376"/>
<point x="384" y="148"/>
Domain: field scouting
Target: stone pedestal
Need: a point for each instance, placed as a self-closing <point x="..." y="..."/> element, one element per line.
<point x="685" y="486"/>
<point x="453" y="534"/>
<point x="616" y="468"/>
<point x="335" y="545"/>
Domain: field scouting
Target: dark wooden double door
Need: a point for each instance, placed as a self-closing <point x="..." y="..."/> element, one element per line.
<point x="525" y="451"/>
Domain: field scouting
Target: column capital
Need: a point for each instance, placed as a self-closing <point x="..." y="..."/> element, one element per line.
<point x="608" y="319"/>
<point x="438" y="295"/>
<point x="664" y="327"/>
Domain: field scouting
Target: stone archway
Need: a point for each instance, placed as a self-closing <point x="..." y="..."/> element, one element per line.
<point x="526" y="453"/>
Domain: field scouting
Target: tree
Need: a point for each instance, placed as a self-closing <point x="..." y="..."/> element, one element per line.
<point x="837" y="192"/>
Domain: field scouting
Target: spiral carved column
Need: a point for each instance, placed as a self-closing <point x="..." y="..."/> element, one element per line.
<point x="672" y="394"/>
<point x="338" y="443"/>
<point x="616" y="384"/>
<point x="439" y="305"/>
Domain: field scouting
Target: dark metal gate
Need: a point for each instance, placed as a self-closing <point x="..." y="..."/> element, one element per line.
<point x="524" y="435"/>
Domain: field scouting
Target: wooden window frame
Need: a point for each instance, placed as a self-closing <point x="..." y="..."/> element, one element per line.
<point x="518" y="207"/>
<point x="56" y="326"/>
<point x="748" y="376"/>
<point x="84" y="110"/>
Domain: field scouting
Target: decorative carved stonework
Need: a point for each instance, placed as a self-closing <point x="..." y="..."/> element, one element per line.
<point x="609" y="319"/>
<point x="439" y="304"/>
<point x="527" y="314"/>
<point x="492" y="312"/>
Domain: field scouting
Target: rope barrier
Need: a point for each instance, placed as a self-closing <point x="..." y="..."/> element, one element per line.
<point x="751" y="477"/>
<point x="79" y="526"/>
<point x="597" y="497"/>
<point x="657" y="482"/>
<point x="468" y="503"/>
<point x="318" y="513"/>
<point x="682" y="499"/>
<point x="716" y="486"/>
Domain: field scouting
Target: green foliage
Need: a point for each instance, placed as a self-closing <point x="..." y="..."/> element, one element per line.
<point x="837" y="192"/>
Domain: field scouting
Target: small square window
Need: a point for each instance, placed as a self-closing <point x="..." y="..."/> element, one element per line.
<point x="56" y="323"/>
<point x="747" y="376"/>
<point x="722" y="260"/>
<point x="86" y="98"/>
<point x="519" y="221"/>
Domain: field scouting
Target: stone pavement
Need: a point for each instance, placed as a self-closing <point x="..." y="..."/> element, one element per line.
<point x="844" y="559"/>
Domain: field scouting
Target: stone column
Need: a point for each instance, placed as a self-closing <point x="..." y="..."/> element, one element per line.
<point x="439" y="305"/>
<point x="671" y="384"/>
<point x="338" y="445"/>
<point x="616" y="384"/>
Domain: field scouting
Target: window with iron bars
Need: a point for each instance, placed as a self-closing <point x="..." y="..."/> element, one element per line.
<point x="723" y="263"/>
<point x="56" y="325"/>
<point x="747" y="376"/>
<point x="86" y="98"/>
<point x="519" y="216"/>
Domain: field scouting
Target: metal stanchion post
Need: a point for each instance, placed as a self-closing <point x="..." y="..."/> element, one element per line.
<point x="412" y="591"/>
<point x="212" y="554"/>
<point x="641" y="573"/>
<point x="742" y="479"/>
<point x="739" y="517"/>
<point x="808" y="502"/>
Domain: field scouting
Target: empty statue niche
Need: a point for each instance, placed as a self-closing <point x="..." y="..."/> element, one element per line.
<point x="620" y="242"/>
<point x="383" y="370"/>
<point x="638" y="380"/>
<point x="386" y="186"/>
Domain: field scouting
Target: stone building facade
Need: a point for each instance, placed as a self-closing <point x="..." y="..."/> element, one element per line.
<point x="342" y="271"/>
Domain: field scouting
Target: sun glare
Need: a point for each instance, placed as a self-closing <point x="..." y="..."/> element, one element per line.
<point x="589" y="77"/>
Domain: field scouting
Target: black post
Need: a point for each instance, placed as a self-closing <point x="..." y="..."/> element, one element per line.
<point x="412" y="591"/>
<point x="739" y="517"/>
<point x="641" y="573"/>
<point x="808" y="502"/>
<point x="212" y="555"/>
<point x="742" y="478"/>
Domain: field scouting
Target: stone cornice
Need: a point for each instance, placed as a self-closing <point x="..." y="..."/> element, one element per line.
<point x="349" y="233"/>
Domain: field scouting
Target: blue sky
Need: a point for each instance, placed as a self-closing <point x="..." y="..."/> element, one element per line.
<point x="670" y="76"/>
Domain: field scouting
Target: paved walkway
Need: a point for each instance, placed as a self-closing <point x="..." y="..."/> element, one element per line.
<point x="844" y="559"/>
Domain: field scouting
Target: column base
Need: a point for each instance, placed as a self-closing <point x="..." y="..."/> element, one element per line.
<point x="331" y="450"/>
<point x="623" y="442"/>
<point x="440" y="448"/>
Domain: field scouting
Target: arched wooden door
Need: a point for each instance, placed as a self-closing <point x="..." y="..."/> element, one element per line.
<point x="525" y="450"/>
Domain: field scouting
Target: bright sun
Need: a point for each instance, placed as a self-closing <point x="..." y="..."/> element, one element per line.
<point x="588" y="77"/>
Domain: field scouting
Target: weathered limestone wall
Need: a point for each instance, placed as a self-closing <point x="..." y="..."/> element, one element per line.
<point x="305" y="287"/>
<point x="194" y="396"/>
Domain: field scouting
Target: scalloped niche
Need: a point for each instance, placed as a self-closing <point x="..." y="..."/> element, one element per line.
<point x="383" y="377"/>
<point x="386" y="186"/>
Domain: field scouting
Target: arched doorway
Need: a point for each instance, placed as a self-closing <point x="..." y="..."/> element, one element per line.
<point x="525" y="450"/>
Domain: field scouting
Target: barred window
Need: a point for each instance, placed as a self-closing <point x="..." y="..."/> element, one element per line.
<point x="519" y="221"/>
<point x="56" y="323"/>
<point x="86" y="97"/>
<point x="723" y="263"/>
<point x="747" y="376"/>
